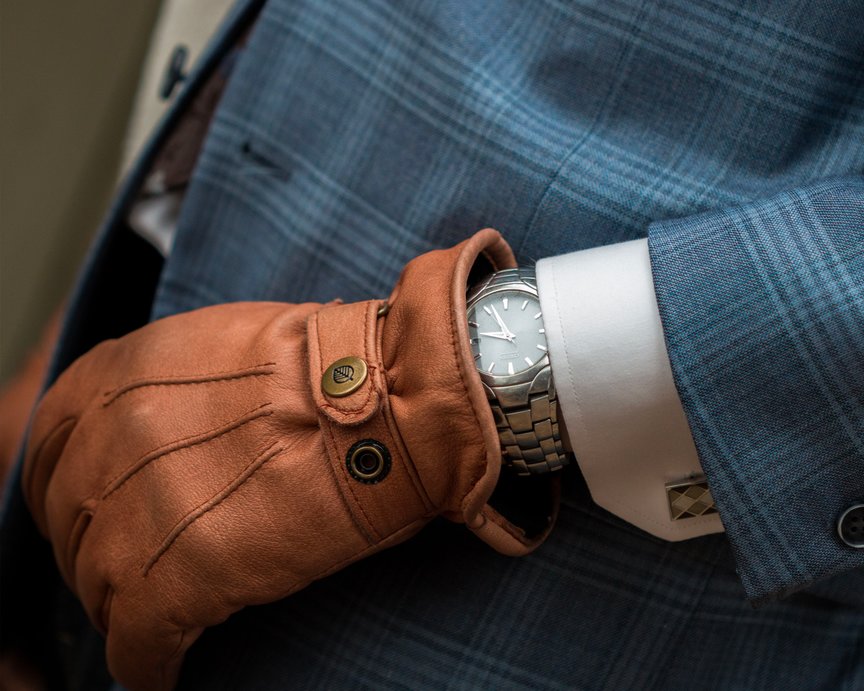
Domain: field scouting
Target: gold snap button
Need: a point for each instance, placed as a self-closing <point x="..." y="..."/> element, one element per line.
<point x="344" y="376"/>
<point x="368" y="461"/>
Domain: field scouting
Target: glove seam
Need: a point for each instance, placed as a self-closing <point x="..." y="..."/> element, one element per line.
<point x="369" y="531"/>
<point x="376" y="338"/>
<point x="213" y="502"/>
<point x="182" y="380"/>
<point x="188" y="442"/>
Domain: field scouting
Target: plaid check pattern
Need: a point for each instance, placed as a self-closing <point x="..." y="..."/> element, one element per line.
<point x="776" y="415"/>
<point x="355" y="135"/>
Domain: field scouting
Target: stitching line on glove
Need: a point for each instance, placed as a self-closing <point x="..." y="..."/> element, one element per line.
<point x="390" y="422"/>
<point x="342" y="481"/>
<point x="187" y="442"/>
<point x="214" y="501"/>
<point x="344" y="409"/>
<point x="178" y="380"/>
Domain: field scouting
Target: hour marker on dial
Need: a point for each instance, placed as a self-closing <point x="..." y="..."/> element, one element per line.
<point x="474" y="324"/>
<point x="478" y="356"/>
<point x="509" y="368"/>
<point x="542" y="331"/>
<point x="528" y="361"/>
<point x="541" y="347"/>
<point x="538" y="315"/>
<point x="491" y="367"/>
<point x="487" y="310"/>
<point x="524" y="305"/>
<point x="506" y="302"/>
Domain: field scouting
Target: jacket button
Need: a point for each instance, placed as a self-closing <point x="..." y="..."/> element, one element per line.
<point x="174" y="72"/>
<point x="850" y="527"/>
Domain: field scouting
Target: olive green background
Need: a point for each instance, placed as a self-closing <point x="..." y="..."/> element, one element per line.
<point x="68" y="74"/>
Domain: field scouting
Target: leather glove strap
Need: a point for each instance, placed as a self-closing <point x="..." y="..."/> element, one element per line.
<point x="361" y="423"/>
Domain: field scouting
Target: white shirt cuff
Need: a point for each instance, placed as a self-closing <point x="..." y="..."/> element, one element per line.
<point x="616" y="393"/>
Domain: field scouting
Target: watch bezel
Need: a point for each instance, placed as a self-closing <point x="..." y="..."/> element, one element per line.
<point x="526" y="375"/>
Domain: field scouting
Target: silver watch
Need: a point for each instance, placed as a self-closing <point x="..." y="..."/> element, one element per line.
<point x="508" y="339"/>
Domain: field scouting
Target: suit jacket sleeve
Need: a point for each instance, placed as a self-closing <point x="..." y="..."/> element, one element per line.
<point x="763" y="312"/>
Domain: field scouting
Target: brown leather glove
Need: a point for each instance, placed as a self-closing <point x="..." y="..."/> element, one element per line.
<point x="196" y="465"/>
<point x="19" y="394"/>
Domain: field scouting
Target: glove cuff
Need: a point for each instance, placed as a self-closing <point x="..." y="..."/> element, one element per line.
<point x="407" y="425"/>
<point x="437" y="401"/>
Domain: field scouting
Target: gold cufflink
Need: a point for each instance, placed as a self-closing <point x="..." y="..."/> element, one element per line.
<point x="690" y="499"/>
<point x="344" y="376"/>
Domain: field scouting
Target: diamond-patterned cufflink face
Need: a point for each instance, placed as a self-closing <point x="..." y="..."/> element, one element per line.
<point x="689" y="499"/>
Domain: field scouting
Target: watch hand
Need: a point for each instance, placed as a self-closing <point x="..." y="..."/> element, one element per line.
<point x="496" y="334"/>
<point x="508" y="334"/>
<point x="499" y="320"/>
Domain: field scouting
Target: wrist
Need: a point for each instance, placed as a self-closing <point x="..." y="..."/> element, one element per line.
<point x="508" y="342"/>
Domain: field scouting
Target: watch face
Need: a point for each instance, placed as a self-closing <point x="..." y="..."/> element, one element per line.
<point x="506" y="331"/>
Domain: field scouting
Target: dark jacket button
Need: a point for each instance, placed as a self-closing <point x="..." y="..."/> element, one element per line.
<point x="851" y="526"/>
<point x="174" y="72"/>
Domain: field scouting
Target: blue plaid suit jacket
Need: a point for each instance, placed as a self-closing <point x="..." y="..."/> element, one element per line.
<point x="356" y="135"/>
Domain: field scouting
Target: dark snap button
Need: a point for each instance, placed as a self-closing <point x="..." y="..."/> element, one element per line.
<point x="368" y="461"/>
<point x="851" y="526"/>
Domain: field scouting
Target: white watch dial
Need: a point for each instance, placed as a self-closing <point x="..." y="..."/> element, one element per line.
<point x="506" y="331"/>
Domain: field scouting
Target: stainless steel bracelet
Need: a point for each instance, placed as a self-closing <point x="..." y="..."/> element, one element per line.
<point x="527" y="414"/>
